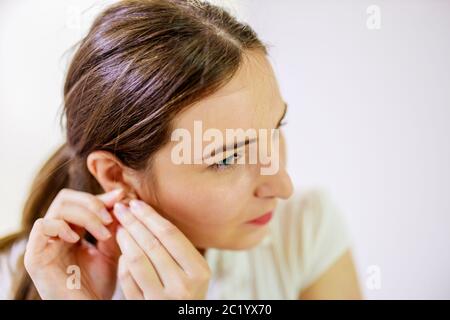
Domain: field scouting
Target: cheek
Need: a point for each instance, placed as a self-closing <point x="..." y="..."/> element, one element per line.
<point x="211" y="202"/>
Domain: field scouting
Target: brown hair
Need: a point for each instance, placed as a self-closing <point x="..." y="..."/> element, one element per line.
<point x="141" y="63"/>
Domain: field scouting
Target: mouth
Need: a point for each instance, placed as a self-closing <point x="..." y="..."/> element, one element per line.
<point x="262" y="220"/>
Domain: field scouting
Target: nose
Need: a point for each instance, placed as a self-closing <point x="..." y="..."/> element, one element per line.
<point x="278" y="185"/>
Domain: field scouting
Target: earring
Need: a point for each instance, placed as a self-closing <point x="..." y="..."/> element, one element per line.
<point x="128" y="197"/>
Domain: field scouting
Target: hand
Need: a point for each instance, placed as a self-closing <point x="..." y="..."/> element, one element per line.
<point x="54" y="245"/>
<point x="157" y="261"/>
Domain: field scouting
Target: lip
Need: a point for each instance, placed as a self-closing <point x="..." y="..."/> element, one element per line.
<point x="262" y="220"/>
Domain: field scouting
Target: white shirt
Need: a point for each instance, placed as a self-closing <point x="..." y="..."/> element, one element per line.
<point x="306" y="236"/>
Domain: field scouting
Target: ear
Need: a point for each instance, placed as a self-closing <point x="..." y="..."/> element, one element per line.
<point x="111" y="173"/>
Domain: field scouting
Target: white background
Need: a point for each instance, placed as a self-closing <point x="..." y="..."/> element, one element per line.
<point x="369" y="118"/>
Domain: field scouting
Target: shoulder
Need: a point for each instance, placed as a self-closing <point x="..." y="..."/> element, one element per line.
<point x="309" y="199"/>
<point x="9" y="263"/>
<point x="310" y="210"/>
<point x="312" y="233"/>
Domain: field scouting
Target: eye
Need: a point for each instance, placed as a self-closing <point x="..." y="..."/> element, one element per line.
<point x="282" y="123"/>
<point x="226" y="163"/>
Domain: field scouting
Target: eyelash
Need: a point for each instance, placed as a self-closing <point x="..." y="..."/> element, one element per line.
<point x="220" y="166"/>
<point x="282" y="123"/>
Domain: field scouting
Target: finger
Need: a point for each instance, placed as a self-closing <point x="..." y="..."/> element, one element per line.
<point x="168" y="269"/>
<point x="111" y="197"/>
<point x="89" y="201"/>
<point x="44" y="229"/>
<point x="129" y="287"/>
<point x="139" y="266"/>
<point x="109" y="247"/>
<point x="179" y="246"/>
<point x="81" y="216"/>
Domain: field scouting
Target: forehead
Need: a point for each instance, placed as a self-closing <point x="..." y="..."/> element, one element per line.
<point x="248" y="100"/>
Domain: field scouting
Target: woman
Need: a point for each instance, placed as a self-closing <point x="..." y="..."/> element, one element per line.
<point x="112" y="215"/>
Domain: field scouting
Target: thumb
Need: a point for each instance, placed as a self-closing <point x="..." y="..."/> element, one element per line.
<point x="111" y="197"/>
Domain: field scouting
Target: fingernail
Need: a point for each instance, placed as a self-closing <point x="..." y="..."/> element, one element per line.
<point x="106" y="217"/>
<point x="73" y="235"/>
<point x="135" y="204"/>
<point x="120" y="209"/>
<point x="116" y="192"/>
<point x="119" y="232"/>
<point x="105" y="232"/>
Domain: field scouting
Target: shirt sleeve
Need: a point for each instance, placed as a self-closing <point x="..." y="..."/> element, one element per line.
<point x="323" y="236"/>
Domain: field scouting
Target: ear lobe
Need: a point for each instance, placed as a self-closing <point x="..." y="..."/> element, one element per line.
<point x="128" y="197"/>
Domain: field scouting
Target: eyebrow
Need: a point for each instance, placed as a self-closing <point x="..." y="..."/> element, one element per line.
<point x="247" y="141"/>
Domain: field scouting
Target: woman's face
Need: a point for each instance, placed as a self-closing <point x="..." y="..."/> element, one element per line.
<point x="213" y="204"/>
